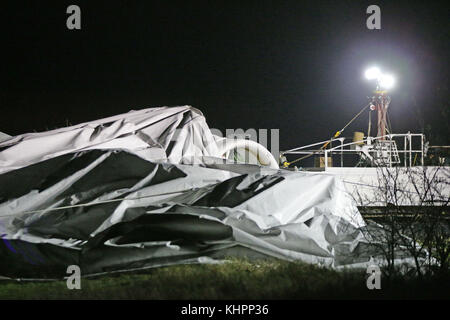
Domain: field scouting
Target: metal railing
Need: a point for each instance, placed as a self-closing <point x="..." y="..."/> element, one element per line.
<point x="368" y="148"/>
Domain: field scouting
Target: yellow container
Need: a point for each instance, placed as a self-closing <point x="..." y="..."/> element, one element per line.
<point x="319" y="162"/>
<point x="358" y="137"/>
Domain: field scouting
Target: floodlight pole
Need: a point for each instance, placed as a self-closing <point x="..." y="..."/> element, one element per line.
<point x="381" y="102"/>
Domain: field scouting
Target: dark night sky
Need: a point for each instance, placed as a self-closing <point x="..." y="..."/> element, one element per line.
<point x="293" y="65"/>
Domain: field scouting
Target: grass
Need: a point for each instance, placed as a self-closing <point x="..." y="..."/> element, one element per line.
<point x="237" y="279"/>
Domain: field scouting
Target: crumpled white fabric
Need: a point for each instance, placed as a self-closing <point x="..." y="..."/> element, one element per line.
<point x="157" y="134"/>
<point x="300" y="216"/>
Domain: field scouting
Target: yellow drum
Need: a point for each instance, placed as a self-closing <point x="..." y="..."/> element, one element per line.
<point x="358" y="137"/>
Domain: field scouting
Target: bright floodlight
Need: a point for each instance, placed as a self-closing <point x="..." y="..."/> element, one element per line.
<point x="372" y="73"/>
<point x="387" y="81"/>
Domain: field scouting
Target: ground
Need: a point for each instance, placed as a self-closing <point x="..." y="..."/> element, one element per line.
<point x="237" y="279"/>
